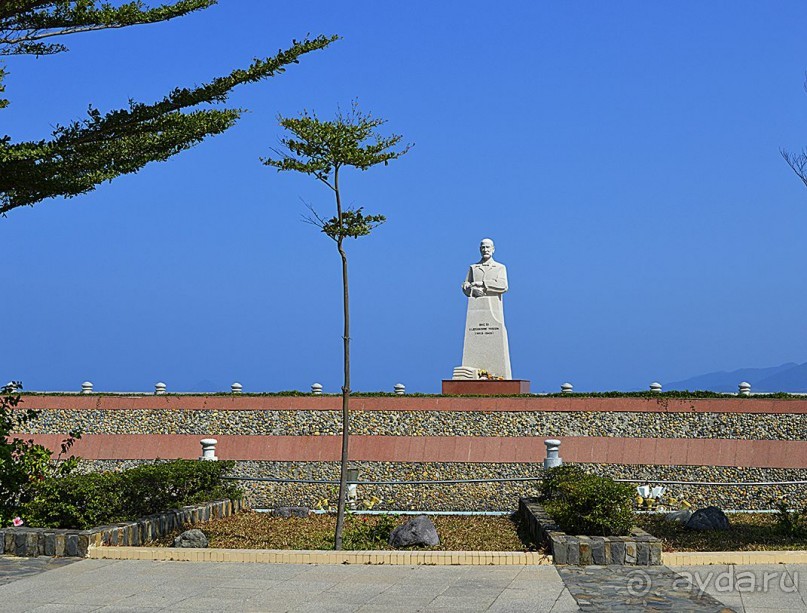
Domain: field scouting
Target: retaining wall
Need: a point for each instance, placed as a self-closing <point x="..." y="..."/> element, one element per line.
<point x="637" y="549"/>
<point x="430" y="437"/>
<point x="33" y="542"/>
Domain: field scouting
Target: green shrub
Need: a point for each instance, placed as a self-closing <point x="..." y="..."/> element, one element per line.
<point x="582" y="503"/>
<point x="364" y="532"/>
<point x="75" y="501"/>
<point x="23" y="463"/>
<point x="84" y="501"/>
<point x="557" y="481"/>
<point x="791" y="523"/>
<point x="152" y="488"/>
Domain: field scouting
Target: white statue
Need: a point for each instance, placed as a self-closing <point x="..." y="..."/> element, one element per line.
<point x="486" y="278"/>
<point x="485" y="350"/>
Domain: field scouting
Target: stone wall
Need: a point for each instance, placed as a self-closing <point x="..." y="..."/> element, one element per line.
<point x="741" y="426"/>
<point x="33" y="542"/>
<point x="637" y="549"/>
<point x="406" y="438"/>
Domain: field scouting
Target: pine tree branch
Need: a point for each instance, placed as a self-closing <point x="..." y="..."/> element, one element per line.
<point x="86" y="153"/>
<point x="37" y="20"/>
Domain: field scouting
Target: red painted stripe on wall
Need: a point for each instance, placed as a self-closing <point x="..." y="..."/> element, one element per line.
<point x="600" y="450"/>
<point x="404" y="403"/>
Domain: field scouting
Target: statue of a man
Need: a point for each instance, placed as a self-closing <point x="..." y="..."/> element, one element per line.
<point x="487" y="277"/>
<point x="485" y="347"/>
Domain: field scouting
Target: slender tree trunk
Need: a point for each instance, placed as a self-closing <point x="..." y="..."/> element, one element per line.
<point x="340" y="513"/>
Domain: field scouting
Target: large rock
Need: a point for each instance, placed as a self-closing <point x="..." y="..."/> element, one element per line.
<point x="710" y="518"/>
<point x="680" y="517"/>
<point x="417" y="531"/>
<point x="291" y="512"/>
<point x="191" y="538"/>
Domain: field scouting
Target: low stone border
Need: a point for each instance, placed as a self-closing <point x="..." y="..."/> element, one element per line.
<point x="743" y="558"/>
<point x="32" y="542"/>
<point x="288" y="556"/>
<point x="638" y="549"/>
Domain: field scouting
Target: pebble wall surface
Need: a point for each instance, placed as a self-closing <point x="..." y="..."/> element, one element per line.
<point x="768" y="420"/>
<point x="748" y="426"/>
<point x="491" y="496"/>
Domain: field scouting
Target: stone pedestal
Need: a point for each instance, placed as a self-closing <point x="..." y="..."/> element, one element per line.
<point x="485" y="346"/>
<point x="484" y="387"/>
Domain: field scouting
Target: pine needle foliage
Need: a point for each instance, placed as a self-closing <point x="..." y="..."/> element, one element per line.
<point x="25" y="23"/>
<point x="84" y="153"/>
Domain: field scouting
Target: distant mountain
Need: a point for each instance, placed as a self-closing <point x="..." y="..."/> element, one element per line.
<point x="792" y="380"/>
<point x="790" y="377"/>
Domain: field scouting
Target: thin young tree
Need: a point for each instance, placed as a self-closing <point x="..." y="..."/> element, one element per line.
<point x="323" y="149"/>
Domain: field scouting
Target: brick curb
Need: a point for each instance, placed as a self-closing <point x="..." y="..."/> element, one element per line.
<point x="287" y="556"/>
<point x="740" y="558"/>
<point x="413" y="558"/>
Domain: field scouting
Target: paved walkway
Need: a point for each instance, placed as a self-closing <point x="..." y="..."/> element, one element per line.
<point x="13" y="568"/>
<point x="47" y="584"/>
<point x="622" y="588"/>
<point x="760" y="588"/>
<point x="141" y="585"/>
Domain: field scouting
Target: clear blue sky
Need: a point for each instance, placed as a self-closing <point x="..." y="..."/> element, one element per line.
<point x="624" y="157"/>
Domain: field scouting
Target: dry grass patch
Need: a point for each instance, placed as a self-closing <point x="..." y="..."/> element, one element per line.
<point x="250" y="530"/>
<point x="747" y="532"/>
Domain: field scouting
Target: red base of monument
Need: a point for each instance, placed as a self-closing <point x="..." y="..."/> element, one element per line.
<point x="485" y="387"/>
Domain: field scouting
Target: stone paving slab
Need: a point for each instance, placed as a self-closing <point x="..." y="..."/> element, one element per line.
<point x="623" y="589"/>
<point x="13" y="568"/>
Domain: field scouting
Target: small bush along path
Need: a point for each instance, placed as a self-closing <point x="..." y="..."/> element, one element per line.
<point x="250" y="530"/>
<point x="94" y="499"/>
<point x="747" y="532"/>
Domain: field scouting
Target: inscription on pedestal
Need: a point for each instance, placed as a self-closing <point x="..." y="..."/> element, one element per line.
<point x="485" y="329"/>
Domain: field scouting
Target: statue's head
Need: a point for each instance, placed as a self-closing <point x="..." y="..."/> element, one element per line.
<point x="486" y="248"/>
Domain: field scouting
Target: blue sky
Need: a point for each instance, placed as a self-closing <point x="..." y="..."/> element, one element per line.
<point x="624" y="156"/>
